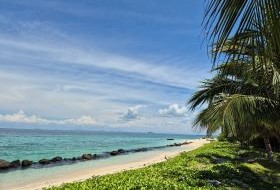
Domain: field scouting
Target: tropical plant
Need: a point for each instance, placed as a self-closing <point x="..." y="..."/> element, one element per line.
<point x="225" y="18"/>
<point x="243" y="98"/>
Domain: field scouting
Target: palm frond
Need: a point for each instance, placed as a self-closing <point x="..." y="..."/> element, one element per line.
<point x="225" y="18"/>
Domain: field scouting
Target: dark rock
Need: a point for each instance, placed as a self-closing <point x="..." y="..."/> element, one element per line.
<point x="4" y="164"/>
<point x="74" y="159"/>
<point x="87" y="156"/>
<point x="215" y="183"/>
<point x="15" y="164"/>
<point x="26" y="163"/>
<point x="44" y="161"/>
<point x="177" y="144"/>
<point x="185" y="143"/>
<point x="141" y="150"/>
<point x="114" y="153"/>
<point x="170" y="139"/>
<point x="121" y="151"/>
<point x="56" y="159"/>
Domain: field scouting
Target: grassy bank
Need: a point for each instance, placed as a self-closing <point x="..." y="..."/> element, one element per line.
<point x="227" y="163"/>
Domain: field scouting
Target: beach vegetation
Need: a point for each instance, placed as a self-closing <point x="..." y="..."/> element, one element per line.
<point x="218" y="165"/>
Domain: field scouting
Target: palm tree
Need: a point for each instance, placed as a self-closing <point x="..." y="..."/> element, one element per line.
<point x="243" y="97"/>
<point x="237" y="106"/>
<point x="225" y="18"/>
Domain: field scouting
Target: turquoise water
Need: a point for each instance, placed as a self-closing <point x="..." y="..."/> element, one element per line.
<point x="23" y="178"/>
<point x="38" y="144"/>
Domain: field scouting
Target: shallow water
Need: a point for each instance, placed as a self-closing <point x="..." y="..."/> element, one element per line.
<point x="30" y="176"/>
<point x="36" y="144"/>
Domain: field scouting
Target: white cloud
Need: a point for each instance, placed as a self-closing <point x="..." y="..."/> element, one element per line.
<point x="132" y="113"/>
<point x="173" y="110"/>
<point x="83" y="120"/>
<point x="21" y="117"/>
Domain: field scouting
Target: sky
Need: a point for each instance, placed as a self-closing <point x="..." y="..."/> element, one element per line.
<point x="116" y="65"/>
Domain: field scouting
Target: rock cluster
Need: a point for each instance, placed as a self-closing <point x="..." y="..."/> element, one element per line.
<point x="115" y="153"/>
<point x="14" y="164"/>
<point x="44" y="161"/>
<point x="26" y="163"/>
<point x="4" y="165"/>
<point x="180" y="144"/>
<point x="87" y="156"/>
<point x="56" y="159"/>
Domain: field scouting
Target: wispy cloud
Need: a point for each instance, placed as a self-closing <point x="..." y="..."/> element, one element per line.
<point x="166" y="74"/>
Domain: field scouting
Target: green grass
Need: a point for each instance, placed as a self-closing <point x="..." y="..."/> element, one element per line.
<point x="220" y="161"/>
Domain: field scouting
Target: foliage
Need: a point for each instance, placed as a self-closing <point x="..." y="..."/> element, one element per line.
<point x="243" y="97"/>
<point x="222" y="161"/>
<point x="226" y="18"/>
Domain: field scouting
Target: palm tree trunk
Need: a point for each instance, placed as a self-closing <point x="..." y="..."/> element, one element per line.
<point x="268" y="149"/>
<point x="278" y="140"/>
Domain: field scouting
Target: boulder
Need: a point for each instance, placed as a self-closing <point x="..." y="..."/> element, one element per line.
<point x="114" y="153"/>
<point x="185" y="143"/>
<point x="121" y="151"/>
<point x="170" y="139"/>
<point x="44" y="161"/>
<point x="215" y="183"/>
<point x="177" y="144"/>
<point x="87" y="156"/>
<point x="4" y="164"/>
<point x="56" y="159"/>
<point x="26" y="163"/>
<point x="141" y="150"/>
<point x="15" y="164"/>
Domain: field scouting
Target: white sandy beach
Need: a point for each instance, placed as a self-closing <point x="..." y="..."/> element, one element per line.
<point x="89" y="172"/>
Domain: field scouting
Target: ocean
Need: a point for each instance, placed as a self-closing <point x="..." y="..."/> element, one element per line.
<point x="38" y="144"/>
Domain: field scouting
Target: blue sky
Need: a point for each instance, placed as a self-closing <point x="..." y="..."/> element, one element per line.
<point x="100" y="65"/>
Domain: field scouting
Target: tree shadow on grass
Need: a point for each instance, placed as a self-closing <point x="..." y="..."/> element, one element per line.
<point x="241" y="177"/>
<point x="273" y="167"/>
<point x="269" y="172"/>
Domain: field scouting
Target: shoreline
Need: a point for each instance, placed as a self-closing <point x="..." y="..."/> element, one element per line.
<point x="58" y="160"/>
<point x="84" y="174"/>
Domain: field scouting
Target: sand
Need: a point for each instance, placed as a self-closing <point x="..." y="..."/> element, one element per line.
<point x="88" y="173"/>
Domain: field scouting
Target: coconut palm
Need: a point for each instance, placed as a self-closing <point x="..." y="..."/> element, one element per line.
<point x="225" y="18"/>
<point x="239" y="107"/>
<point x="243" y="98"/>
